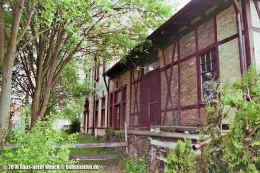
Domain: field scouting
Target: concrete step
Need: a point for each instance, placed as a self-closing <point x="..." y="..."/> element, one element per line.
<point x="95" y="157"/>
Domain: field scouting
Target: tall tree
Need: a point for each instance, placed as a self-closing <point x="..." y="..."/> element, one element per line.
<point x="12" y="30"/>
<point x="68" y="29"/>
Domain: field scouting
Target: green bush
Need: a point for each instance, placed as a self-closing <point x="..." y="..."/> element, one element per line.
<point x="108" y="134"/>
<point x="180" y="159"/>
<point x="233" y="151"/>
<point x="139" y="166"/>
<point x="38" y="147"/>
<point x="238" y="150"/>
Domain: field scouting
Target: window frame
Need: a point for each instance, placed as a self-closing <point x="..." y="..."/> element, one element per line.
<point x="96" y="112"/>
<point x="212" y="67"/>
<point x="103" y="111"/>
<point x="116" y="122"/>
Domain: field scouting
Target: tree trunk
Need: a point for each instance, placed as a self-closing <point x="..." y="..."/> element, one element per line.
<point x="2" y="36"/>
<point x="38" y="90"/>
<point x="5" y="98"/>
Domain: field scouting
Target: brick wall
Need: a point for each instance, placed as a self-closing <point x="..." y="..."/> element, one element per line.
<point x="206" y="34"/>
<point x="187" y="45"/>
<point x="188" y="82"/>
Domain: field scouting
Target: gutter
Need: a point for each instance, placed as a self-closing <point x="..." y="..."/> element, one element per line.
<point x="241" y="40"/>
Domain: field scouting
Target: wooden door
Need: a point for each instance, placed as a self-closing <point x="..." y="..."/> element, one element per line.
<point x="150" y="99"/>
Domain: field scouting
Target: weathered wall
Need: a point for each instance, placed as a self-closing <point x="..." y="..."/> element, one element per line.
<point x="206" y="34"/>
<point x="254" y="16"/>
<point x="155" y="148"/>
<point x="226" y="23"/>
<point x="188" y="110"/>
<point x="188" y="82"/>
<point x="135" y="99"/>
<point x="255" y="30"/>
<point x="187" y="45"/>
<point x="229" y="67"/>
<point x="120" y="82"/>
<point x="190" y="117"/>
<point x="229" y="62"/>
<point x="169" y="86"/>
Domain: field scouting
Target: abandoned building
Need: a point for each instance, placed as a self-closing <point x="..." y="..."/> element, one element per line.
<point x="167" y="87"/>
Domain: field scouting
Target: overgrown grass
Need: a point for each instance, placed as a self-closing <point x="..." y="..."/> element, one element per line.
<point x="104" y="164"/>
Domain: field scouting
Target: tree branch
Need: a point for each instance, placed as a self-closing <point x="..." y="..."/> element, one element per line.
<point x="27" y="23"/>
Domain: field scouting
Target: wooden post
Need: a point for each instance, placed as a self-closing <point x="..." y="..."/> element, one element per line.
<point x="126" y="138"/>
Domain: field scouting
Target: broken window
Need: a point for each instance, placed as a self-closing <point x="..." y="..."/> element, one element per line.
<point x="208" y="67"/>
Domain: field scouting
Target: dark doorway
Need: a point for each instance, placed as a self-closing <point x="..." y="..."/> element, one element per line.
<point x="150" y="99"/>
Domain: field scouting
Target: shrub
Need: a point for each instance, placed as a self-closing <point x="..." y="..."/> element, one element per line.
<point x="180" y="159"/>
<point x="238" y="150"/>
<point x="108" y="134"/>
<point x="38" y="147"/>
<point x="139" y="166"/>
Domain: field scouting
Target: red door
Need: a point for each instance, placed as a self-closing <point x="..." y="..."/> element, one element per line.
<point x="150" y="99"/>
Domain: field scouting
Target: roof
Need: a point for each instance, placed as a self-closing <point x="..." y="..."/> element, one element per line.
<point x="141" y="54"/>
<point x="185" y="17"/>
<point x="179" y="24"/>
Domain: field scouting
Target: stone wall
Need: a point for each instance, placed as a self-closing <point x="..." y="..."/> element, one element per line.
<point x="155" y="147"/>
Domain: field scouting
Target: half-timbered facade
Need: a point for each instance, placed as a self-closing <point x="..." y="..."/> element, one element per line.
<point x="205" y="41"/>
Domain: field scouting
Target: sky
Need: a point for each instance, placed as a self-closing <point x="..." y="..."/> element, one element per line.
<point x="181" y="3"/>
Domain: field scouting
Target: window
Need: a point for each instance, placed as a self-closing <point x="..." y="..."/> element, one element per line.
<point x="117" y="108"/>
<point x="86" y="112"/>
<point x="103" y="111"/>
<point x="208" y="67"/>
<point x="111" y="110"/>
<point x="96" y="113"/>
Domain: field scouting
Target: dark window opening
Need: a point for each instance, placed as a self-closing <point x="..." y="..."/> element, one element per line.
<point x="96" y="113"/>
<point x="103" y="111"/>
<point x="208" y="69"/>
